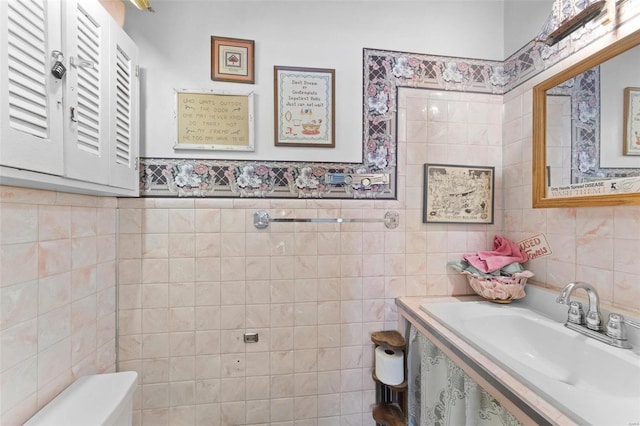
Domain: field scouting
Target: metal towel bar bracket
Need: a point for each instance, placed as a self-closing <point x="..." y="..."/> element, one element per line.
<point x="261" y="219"/>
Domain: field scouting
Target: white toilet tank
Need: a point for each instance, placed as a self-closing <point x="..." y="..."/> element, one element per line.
<point x="101" y="399"/>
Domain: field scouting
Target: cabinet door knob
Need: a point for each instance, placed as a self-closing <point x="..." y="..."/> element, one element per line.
<point x="72" y="116"/>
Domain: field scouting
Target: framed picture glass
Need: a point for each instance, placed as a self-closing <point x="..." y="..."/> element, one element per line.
<point x="214" y="120"/>
<point x="458" y="194"/>
<point x="631" y="120"/>
<point x="232" y="60"/>
<point x="304" y="107"/>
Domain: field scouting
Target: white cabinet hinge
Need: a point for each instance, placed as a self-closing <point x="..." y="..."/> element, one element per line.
<point x="137" y="70"/>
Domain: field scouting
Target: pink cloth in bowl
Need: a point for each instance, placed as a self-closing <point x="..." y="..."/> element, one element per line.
<point x="504" y="253"/>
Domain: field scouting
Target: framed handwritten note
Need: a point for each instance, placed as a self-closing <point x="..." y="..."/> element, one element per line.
<point x="214" y="120"/>
<point x="304" y="107"/>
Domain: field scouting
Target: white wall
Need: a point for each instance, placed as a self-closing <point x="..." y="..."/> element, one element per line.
<point x="174" y="47"/>
<point x="523" y="20"/>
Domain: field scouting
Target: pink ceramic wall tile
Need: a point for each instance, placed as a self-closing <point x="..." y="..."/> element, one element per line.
<point x="182" y="245"/>
<point x="305" y="267"/>
<point x="19" y="343"/>
<point x="129" y="221"/>
<point x="154" y="271"/>
<point x="627" y="222"/>
<point x="154" y="295"/>
<point x="54" y="257"/>
<point x="233" y="220"/>
<point x="601" y="279"/>
<point x="258" y="291"/>
<point x="19" y="223"/>
<point x="625" y="255"/>
<point x="53" y="361"/>
<point x="233" y="293"/>
<point x="305" y="337"/>
<point x="19" y="303"/>
<point x="84" y="222"/>
<point x="83" y="252"/>
<point x="559" y="273"/>
<point x="181" y="220"/>
<point x="207" y="220"/>
<point x="54" y="222"/>
<point x="351" y="288"/>
<point x="416" y="285"/>
<point x="305" y="314"/>
<point x="595" y="251"/>
<point x="328" y="336"/>
<point x="207" y="269"/>
<point x="14" y="194"/>
<point x="53" y="327"/>
<point x="625" y="290"/>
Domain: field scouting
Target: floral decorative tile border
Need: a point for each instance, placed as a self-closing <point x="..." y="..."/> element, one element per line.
<point x="384" y="72"/>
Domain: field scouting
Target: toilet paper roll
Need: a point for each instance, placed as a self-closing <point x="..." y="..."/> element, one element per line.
<point x="389" y="365"/>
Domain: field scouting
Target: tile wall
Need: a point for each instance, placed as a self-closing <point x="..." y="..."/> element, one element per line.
<point x="57" y="295"/>
<point x="195" y="274"/>
<point x="597" y="245"/>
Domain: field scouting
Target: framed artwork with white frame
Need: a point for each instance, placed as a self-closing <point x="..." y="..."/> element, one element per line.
<point x="214" y="120"/>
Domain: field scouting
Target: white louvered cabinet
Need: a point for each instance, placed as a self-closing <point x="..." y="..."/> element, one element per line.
<point x="124" y="128"/>
<point x="86" y="90"/>
<point x="92" y="131"/>
<point x="30" y="97"/>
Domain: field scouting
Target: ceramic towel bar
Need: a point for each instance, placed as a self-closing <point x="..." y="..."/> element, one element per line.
<point x="261" y="219"/>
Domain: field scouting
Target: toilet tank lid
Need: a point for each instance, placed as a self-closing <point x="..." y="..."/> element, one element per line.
<point x="91" y="400"/>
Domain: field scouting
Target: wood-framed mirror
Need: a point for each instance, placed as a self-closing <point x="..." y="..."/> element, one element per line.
<point x="578" y="120"/>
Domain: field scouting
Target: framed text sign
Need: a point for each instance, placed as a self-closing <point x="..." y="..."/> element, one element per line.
<point x="214" y="120"/>
<point x="304" y="107"/>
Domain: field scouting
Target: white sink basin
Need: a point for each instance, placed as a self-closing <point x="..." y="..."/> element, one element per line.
<point x="590" y="381"/>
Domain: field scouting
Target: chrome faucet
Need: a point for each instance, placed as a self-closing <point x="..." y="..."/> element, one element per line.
<point x="591" y="326"/>
<point x="593" y="320"/>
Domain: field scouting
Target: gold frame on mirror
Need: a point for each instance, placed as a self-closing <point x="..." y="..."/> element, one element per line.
<point x="539" y="160"/>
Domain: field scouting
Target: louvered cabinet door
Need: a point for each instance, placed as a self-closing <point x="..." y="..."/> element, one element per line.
<point x="86" y="115"/>
<point x="124" y="96"/>
<point x="30" y="96"/>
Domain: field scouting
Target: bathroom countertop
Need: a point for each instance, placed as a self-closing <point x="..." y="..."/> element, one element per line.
<point x="525" y="404"/>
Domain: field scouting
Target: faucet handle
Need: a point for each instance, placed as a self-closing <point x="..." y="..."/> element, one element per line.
<point x="575" y="314"/>
<point x="594" y="322"/>
<point x="616" y="328"/>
